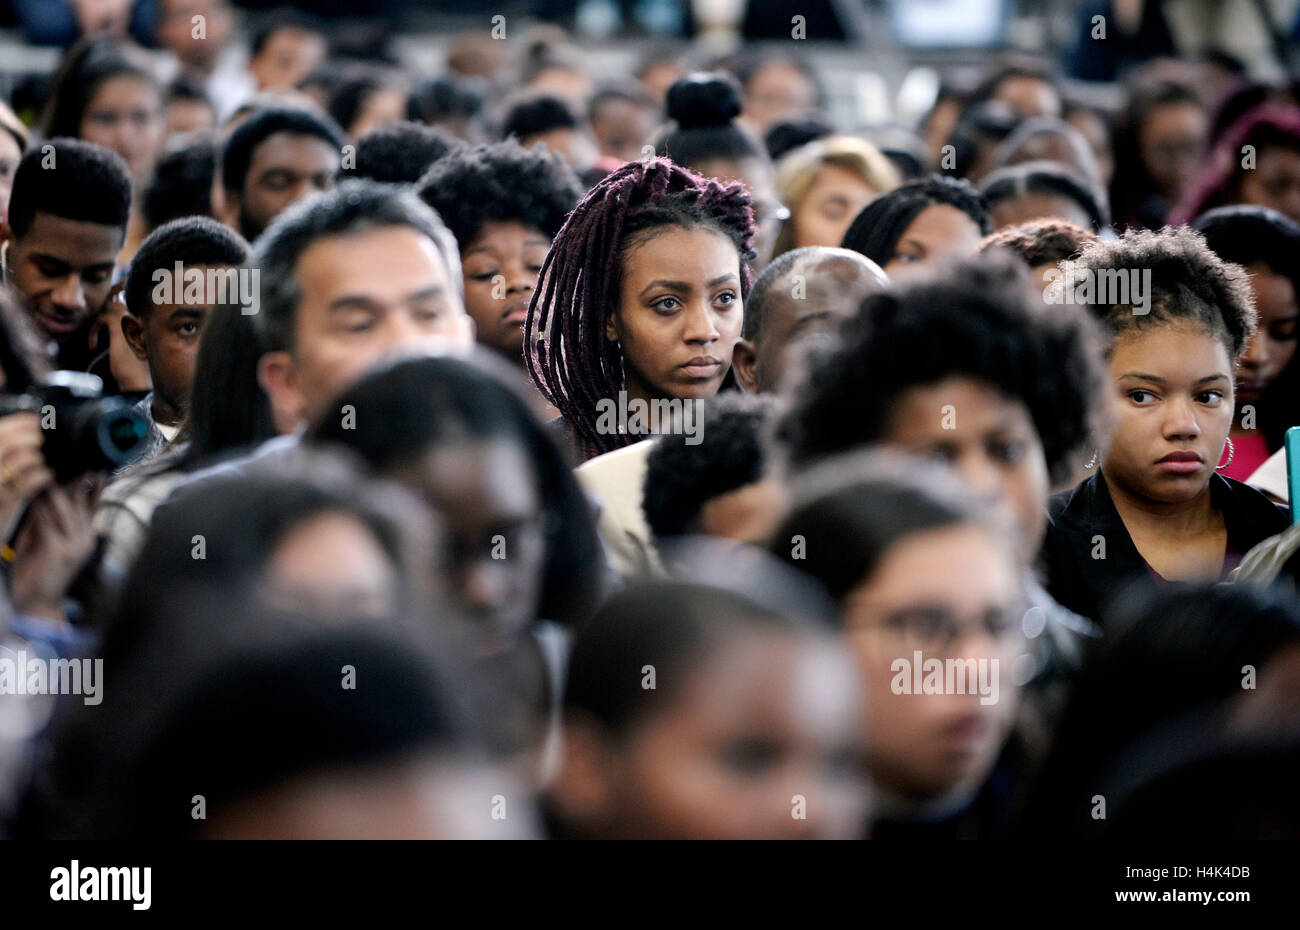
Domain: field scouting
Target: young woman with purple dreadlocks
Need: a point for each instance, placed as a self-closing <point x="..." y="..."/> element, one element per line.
<point x="641" y="297"/>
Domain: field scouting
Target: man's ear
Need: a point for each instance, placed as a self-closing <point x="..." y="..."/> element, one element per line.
<point x="278" y="376"/>
<point x="744" y="362"/>
<point x="134" y="330"/>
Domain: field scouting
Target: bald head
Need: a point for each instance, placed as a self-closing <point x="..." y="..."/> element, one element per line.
<point x="802" y="293"/>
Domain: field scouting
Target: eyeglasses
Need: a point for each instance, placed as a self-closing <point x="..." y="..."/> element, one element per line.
<point x="934" y="630"/>
<point x="770" y="210"/>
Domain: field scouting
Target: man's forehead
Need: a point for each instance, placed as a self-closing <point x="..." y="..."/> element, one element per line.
<point x="75" y="241"/>
<point x="337" y="260"/>
<point x="284" y="147"/>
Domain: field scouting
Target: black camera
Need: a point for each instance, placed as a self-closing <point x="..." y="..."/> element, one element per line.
<point x="84" y="430"/>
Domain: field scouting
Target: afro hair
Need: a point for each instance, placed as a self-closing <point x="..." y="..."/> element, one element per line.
<point x="1040" y="242"/>
<point x="1188" y="282"/>
<point x="980" y="320"/>
<point x="475" y="185"/>
<point x="681" y="478"/>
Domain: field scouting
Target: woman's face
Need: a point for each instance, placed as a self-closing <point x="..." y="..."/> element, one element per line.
<point x="1272" y="347"/>
<point x="1275" y="182"/>
<point x="680" y="313"/>
<point x="939" y="234"/>
<point x="500" y="267"/>
<point x="10" y="155"/>
<point x="486" y="492"/>
<point x="939" y="740"/>
<point x="332" y="564"/>
<point x="1171" y="393"/>
<point x="1171" y="140"/>
<point x="988" y="438"/>
<point x="763" y="723"/>
<point x="775" y="92"/>
<point x="126" y="115"/>
<point x="824" y="214"/>
<point x="1033" y="206"/>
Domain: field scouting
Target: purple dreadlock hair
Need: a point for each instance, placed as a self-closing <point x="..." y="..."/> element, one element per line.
<point x="568" y="356"/>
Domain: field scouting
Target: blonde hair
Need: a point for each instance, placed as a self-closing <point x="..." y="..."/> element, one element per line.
<point x="797" y="170"/>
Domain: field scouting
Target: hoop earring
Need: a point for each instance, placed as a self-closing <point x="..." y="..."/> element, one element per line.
<point x="1231" y="453"/>
<point x="1092" y="462"/>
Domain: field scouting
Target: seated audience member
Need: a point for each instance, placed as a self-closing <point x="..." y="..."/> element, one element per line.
<point x="1157" y="509"/>
<point x="1027" y="85"/>
<point x="523" y="549"/>
<point x="966" y="368"/>
<point x="920" y="575"/>
<point x="455" y="430"/>
<point x="228" y="414"/>
<point x="744" y="703"/>
<point x="622" y="116"/>
<point x="1267" y="380"/>
<point x="1160" y="143"/>
<point x="800" y="297"/>
<point x="641" y="297"/>
<point x="367" y="98"/>
<point x="825" y="184"/>
<point x="704" y="135"/>
<point x="181" y="183"/>
<point x="718" y="484"/>
<point x="275" y="158"/>
<point x="787" y="135"/>
<point x="920" y="225"/>
<point x="777" y="87"/>
<point x="797" y="300"/>
<point x="504" y="204"/>
<point x="1270" y="178"/>
<point x="187" y="108"/>
<point x="537" y="117"/>
<point x="348" y="277"/>
<point x="67" y="220"/>
<point x="1043" y="244"/>
<point x="105" y="94"/>
<point x="165" y="314"/>
<point x="452" y="102"/>
<point x="284" y="47"/>
<point x="1042" y="191"/>
<point x="1155" y="694"/>
<point x="1051" y="141"/>
<point x="399" y="153"/>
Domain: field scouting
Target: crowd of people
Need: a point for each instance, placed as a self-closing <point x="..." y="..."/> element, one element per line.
<point x="516" y="451"/>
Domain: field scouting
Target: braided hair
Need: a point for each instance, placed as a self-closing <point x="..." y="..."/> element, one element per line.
<point x="568" y="356"/>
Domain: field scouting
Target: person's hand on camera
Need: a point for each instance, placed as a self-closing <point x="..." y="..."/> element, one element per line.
<point x="53" y="545"/>
<point x="23" y="472"/>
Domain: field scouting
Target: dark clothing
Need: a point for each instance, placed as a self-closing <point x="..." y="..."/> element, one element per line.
<point x="1084" y="520"/>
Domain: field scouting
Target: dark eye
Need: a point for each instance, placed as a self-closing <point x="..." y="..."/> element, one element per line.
<point x="750" y="757"/>
<point x="1009" y="451"/>
<point x="1141" y="397"/>
<point x="666" y="304"/>
<point x="188" y="329"/>
<point x="1210" y="398"/>
<point x="727" y="298"/>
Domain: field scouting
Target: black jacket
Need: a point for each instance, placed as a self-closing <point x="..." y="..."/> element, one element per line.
<point x="1077" y="517"/>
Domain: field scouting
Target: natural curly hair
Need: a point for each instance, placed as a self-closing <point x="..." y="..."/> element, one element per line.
<point x="1040" y="242"/>
<point x="475" y="185"/>
<point x="979" y="320"/>
<point x="1188" y="282"/>
<point x="568" y="356"/>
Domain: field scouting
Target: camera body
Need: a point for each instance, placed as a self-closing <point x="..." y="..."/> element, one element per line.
<point x="84" y="430"/>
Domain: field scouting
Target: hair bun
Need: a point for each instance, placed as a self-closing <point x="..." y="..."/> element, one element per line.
<point x="702" y="100"/>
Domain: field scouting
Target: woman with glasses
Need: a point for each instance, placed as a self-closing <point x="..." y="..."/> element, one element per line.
<point x="931" y="601"/>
